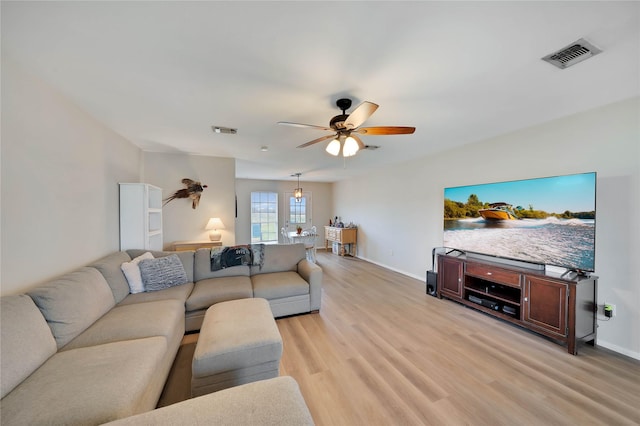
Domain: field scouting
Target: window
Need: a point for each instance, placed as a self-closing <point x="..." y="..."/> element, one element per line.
<point x="297" y="211"/>
<point x="264" y="217"/>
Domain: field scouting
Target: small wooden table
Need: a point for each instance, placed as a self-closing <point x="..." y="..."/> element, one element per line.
<point x="195" y="245"/>
<point x="341" y="236"/>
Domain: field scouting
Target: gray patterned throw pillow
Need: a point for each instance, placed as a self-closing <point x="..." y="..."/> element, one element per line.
<point x="163" y="272"/>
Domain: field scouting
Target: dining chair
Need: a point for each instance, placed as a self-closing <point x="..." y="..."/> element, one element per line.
<point x="285" y="236"/>
<point x="310" y="237"/>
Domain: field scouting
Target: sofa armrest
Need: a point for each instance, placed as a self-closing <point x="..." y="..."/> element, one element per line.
<point x="312" y="274"/>
<point x="276" y="401"/>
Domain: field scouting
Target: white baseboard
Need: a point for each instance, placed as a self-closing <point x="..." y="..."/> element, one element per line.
<point x="618" y="349"/>
<point x="423" y="278"/>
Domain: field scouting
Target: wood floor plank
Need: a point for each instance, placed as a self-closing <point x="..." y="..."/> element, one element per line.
<point x="382" y="352"/>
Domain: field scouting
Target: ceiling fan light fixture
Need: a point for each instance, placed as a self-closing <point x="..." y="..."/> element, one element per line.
<point x="350" y="147"/>
<point x="334" y="147"/>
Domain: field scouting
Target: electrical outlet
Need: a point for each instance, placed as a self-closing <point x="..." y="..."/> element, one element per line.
<point x="609" y="310"/>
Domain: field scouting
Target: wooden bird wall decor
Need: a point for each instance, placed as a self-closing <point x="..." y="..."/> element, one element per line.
<point x="193" y="189"/>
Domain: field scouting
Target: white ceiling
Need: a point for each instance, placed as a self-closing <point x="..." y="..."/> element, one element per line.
<point x="161" y="73"/>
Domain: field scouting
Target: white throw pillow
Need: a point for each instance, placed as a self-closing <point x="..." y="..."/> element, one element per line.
<point x="132" y="272"/>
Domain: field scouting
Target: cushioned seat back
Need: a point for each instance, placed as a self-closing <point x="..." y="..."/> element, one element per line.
<point x="110" y="268"/>
<point x="202" y="269"/>
<point x="26" y="339"/>
<point x="73" y="302"/>
<point x="186" y="257"/>
<point x="280" y="258"/>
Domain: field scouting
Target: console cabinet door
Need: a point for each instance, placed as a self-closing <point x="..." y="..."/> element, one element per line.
<point x="545" y="305"/>
<point x="450" y="277"/>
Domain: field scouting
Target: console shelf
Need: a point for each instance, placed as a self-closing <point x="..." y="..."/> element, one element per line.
<point x="558" y="307"/>
<point x="495" y="291"/>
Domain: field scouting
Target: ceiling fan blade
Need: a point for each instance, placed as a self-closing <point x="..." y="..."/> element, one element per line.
<point x="360" y="115"/>
<point x="386" y="130"/>
<point x="324" y="138"/>
<point x="287" y="123"/>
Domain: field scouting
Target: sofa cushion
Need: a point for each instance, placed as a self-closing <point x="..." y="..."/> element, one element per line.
<point x="91" y="385"/>
<point x="73" y="302"/>
<point x="131" y="271"/>
<point x="214" y="290"/>
<point x="202" y="267"/>
<point x="280" y="258"/>
<point x="275" y="401"/>
<point x="126" y="322"/>
<point x="109" y="267"/>
<point x="26" y="340"/>
<point x="186" y="257"/>
<point x="180" y="293"/>
<point x="161" y="273"/>
<point x="279" y="284"/>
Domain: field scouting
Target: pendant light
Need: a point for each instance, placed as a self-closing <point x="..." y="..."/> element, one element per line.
<point x="297" y="193"/>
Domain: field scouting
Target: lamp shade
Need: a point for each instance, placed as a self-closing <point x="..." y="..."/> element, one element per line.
<point x="215" y="223"/>
<point x="350" y="147"/>
<point x="334" y="147"/>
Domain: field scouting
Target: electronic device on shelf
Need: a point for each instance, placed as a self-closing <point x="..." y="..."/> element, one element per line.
<point x="485" y="302"/>
<point x="509" y="310"/>
<point x="474" y="299"/>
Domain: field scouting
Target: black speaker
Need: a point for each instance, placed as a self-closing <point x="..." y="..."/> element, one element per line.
<point x="432" y="283"/>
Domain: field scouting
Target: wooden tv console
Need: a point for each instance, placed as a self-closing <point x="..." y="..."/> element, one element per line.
<point x="563" y="308"/>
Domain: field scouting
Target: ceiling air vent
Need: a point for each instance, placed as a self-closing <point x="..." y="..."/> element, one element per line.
<point x="226" y="130"/>
<point x="570" y="55"/>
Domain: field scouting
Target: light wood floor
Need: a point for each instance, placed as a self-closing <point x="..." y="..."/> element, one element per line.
<point x="382" y="352"/>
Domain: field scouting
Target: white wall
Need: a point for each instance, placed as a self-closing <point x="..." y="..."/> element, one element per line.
<point x="60" y="174"/>
<point x="180" y="221"/>
<point x="399" y="208"/>
<point x="321" y="205"/>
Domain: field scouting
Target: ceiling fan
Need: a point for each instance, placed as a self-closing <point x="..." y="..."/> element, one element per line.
<point x="346" y="128"/>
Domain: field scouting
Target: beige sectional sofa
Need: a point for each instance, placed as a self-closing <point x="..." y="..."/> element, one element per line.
<point x="81" y="349"/>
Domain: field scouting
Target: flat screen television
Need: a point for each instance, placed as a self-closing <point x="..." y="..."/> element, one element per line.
<point x="546" y="221"/>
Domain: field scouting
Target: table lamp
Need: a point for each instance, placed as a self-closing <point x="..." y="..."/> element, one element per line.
<point x="215" y="223"/>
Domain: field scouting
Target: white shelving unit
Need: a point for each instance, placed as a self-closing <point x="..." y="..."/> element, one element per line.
<point x="140" y="216"/>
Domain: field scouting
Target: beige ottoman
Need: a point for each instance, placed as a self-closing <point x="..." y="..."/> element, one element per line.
<point x="239" y="343"/>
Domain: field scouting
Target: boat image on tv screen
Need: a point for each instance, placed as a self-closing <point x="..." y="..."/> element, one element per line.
<point x="547" y="220"/>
